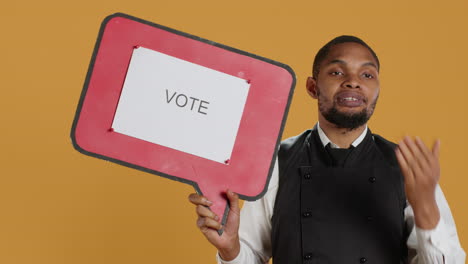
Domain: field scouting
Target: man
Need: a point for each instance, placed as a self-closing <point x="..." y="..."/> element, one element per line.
<point x="341" y="194"/>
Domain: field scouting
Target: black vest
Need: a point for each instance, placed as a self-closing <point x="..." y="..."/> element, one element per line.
<point x="338" y="215"/>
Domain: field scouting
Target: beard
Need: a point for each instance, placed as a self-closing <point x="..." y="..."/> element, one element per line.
<point x="346" y="120"/>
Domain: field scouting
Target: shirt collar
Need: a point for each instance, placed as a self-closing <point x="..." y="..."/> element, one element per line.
<point x="325" y="140"/>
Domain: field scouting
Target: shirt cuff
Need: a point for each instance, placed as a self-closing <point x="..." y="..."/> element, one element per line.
<point x="236" y="260"/>
<point x="433" y="242"/>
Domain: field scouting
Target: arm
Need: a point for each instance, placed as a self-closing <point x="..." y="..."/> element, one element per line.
<point x="433" y="238"/>
<point x="438" y="245"/>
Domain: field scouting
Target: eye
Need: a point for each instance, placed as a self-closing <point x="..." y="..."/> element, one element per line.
<point x="336" y="73"/>
<point x="368" y="75"/>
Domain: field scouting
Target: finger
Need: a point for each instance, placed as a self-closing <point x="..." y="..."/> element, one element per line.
<point x="203" y="211"/>
<point x="406" y="153"/>
<point x="424" y="151"/>
<point x="414" y="148"/>
<point x="205" y="223"/>
<point x="436" y="149"/>
<point x="431" y="167"/>
<point x="436" y="153"/>
<point x="408" y="175"/>
<point x="197" y="199"/>
<point x="233" y="218"/>
<point x="233" y="201"/>
<point x="412" y="155"/>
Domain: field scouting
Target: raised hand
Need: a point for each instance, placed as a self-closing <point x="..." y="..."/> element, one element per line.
<point x="421" y="171"/>
<point x="228" y="243"/>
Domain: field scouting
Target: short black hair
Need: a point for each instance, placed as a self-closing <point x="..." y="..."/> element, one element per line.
<point x="323" y="52"/>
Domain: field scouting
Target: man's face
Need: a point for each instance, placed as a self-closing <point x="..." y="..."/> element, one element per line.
<point x="347" y="85"/>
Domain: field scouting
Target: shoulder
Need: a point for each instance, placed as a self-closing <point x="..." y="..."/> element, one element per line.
<point x="381" y="140"/>
<point x="291" y="143"/>
<point x="290" y="148"/>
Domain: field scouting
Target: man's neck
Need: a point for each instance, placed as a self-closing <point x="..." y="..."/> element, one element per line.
<point x="343" y="137"/>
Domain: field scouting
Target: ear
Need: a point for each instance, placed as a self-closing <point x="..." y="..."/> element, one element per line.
<point x="311" y="86"/>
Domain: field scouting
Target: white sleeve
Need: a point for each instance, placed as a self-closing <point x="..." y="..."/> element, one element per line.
<point x="255" y="227"/>
<point x="436" y="246"/>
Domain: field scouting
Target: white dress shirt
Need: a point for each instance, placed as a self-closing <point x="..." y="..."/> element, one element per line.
<point x="439" y="245"/>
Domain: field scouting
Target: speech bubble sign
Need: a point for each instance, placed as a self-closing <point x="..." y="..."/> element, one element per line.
<point x="204" y="102"/>
<point x="183" y="107"/>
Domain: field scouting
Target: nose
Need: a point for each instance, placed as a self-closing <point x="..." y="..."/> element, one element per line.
<point x="352" y="82"/>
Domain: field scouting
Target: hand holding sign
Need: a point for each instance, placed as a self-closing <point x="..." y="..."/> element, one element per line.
<point x="184" y="108"/>
<point x="228" y="243"/>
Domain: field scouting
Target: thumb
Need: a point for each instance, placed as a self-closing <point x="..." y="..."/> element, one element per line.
<point x="233" y="200"/>
<point x="232" y="222"/>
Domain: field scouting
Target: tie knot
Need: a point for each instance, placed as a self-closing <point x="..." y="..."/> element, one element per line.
<point x="338" y="155"/>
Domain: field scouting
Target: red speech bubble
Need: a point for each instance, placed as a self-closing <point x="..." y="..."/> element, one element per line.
<point x="250" y="164"/>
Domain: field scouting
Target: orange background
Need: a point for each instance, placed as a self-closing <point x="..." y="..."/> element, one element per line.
<point x="59" y="206"/>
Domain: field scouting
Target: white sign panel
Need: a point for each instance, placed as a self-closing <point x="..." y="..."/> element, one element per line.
<point x="181" y="105"/>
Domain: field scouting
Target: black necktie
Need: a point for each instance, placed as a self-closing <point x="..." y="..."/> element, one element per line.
<point x="338" y="155"/>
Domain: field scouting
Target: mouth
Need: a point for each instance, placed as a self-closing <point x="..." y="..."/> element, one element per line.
<point x="350" y="99"/>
